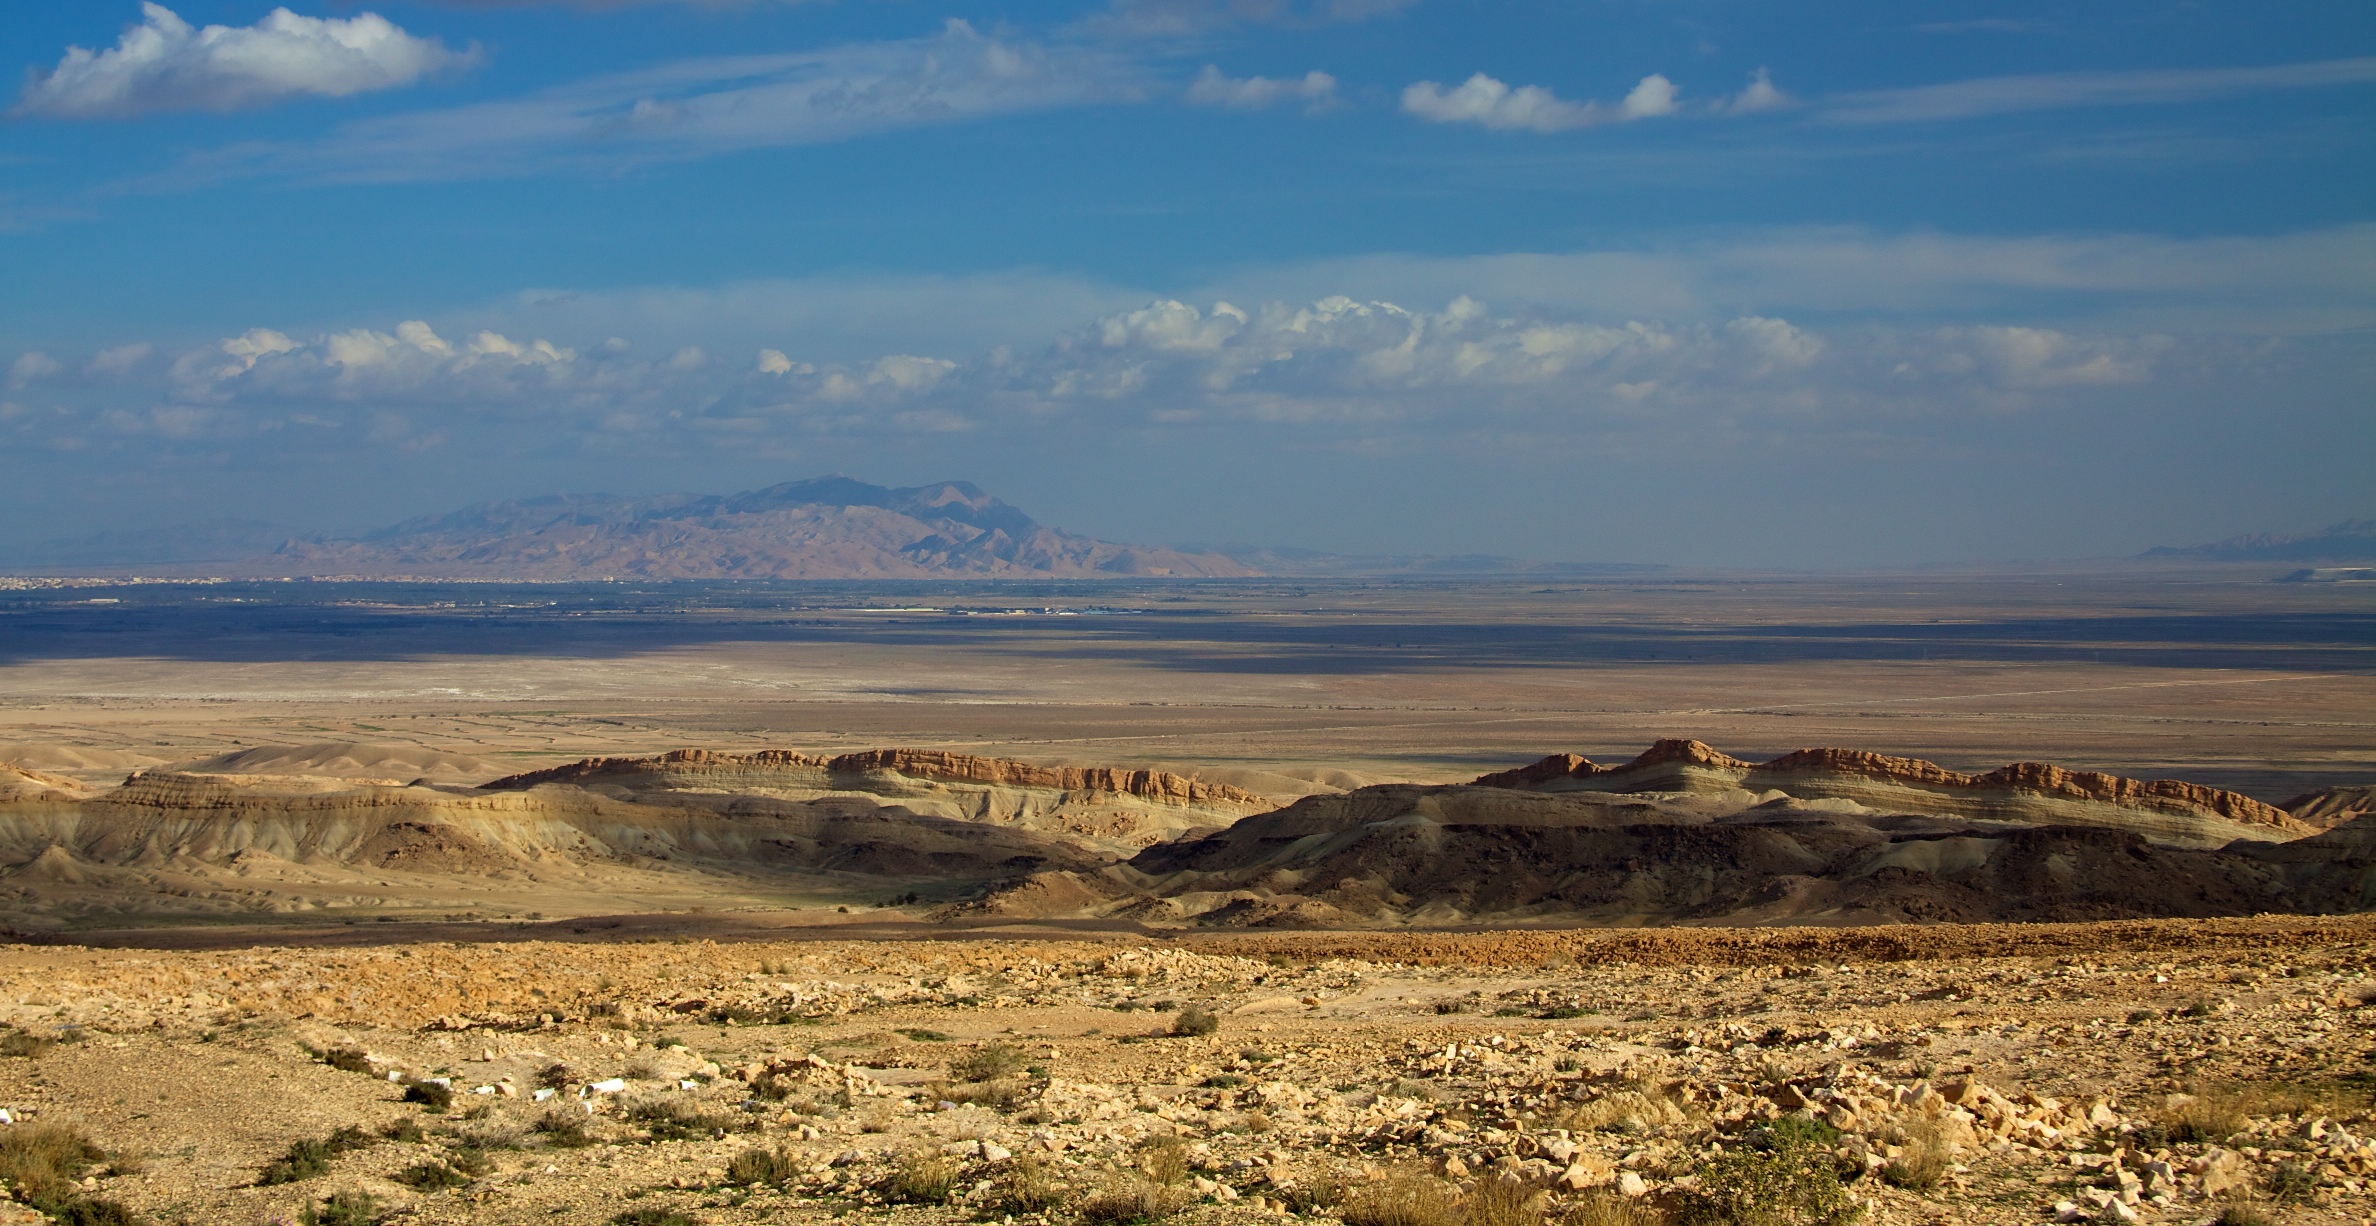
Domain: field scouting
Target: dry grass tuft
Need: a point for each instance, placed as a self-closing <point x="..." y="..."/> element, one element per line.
<point x="1027" y="1185"/>
<point x="1922" y="1160"/>
<point x="1130" y="1199"/>
<point x="1627" y="1111"/>
<point x="757" y="1166"/>
<point x="1164" y="1160"/>
<point x="921" y="1179"/>
<point x="1503" y="1202"/>
<point x="1404" y="1196"/>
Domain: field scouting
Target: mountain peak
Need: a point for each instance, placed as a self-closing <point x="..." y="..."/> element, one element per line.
<point x="833" y="527"/>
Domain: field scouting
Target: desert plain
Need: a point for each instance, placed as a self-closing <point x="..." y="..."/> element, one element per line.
<point x="633" y="1017"/>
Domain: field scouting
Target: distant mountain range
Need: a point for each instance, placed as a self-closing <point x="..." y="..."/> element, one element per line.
<point x="2353" y="540"/>
<point x="828" y="528"/>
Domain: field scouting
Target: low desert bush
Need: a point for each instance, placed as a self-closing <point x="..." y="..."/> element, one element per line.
<point x="2243" y="1215"/>
<point x="2292" y="1182"/>
<point x="653" y="1217"/>
<point x="405" y="1129"/>
<point x="988" y="1063"/>
<point x="1404" y="1196"/>
<point x="1790" y="1185"/>
<point x="1027" y="1185"/>
<point x="347" y="1059"/>
<point x="343" y="1209"/>
<point x="1602" y="1207"/>
<point x="430" y="1177"/>
<point x="45" y="1162"/>
<point x="24" y="1044"/>
<point x="1130" y="1199"/>
<point x="1194" y="1022"/>
<point x="429" y="1094"/>
<point x="677" y="1119"/>
<point x="563" y="1129"/>
<point x="555" y="1076"/>
<point x="921" y="1179"/>
<point x="757" y="1165"/>
<point x="308" y="1158"/>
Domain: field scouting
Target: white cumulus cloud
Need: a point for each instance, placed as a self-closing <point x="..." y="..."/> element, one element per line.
<point x="31" y="365"/>
<point x="166" y="64"/>
<point x="1315" y="89"/>
<point x="1759" y="95"/>
<point x="1494" y="104"/>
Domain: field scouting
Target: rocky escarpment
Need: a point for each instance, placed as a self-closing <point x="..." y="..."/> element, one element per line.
<point x="167" y="843"/>
<point x="2328" y="808"/>
<point x="931" y="765"/>
<point x="2165" y="810"/>
<point x="1120" y="810"/>
<point x="1408" y="854"/>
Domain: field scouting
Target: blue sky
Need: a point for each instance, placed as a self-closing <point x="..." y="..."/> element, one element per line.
<point x="1715" y="283"/>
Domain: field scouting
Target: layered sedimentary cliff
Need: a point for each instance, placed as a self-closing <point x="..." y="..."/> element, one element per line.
<point x="2166" y="809"/>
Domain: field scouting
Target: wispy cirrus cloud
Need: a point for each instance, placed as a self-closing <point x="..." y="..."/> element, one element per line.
<point x="166" y="64"/>
<point x="1175" y="18"/>
<point x="2068" y="90"/>
<point x="703" y="107"/>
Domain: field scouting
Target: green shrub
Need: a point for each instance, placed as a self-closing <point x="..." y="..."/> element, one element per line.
<point x="1790" y="1185"/>
<point x="1791" y="1131"/>
<point x="428" y="1093"/>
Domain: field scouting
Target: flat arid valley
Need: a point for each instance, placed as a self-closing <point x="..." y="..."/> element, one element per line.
<point x="1942" y="897"/>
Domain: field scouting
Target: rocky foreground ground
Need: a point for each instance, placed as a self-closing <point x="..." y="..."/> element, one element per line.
<point x="2159" y="1071"/>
